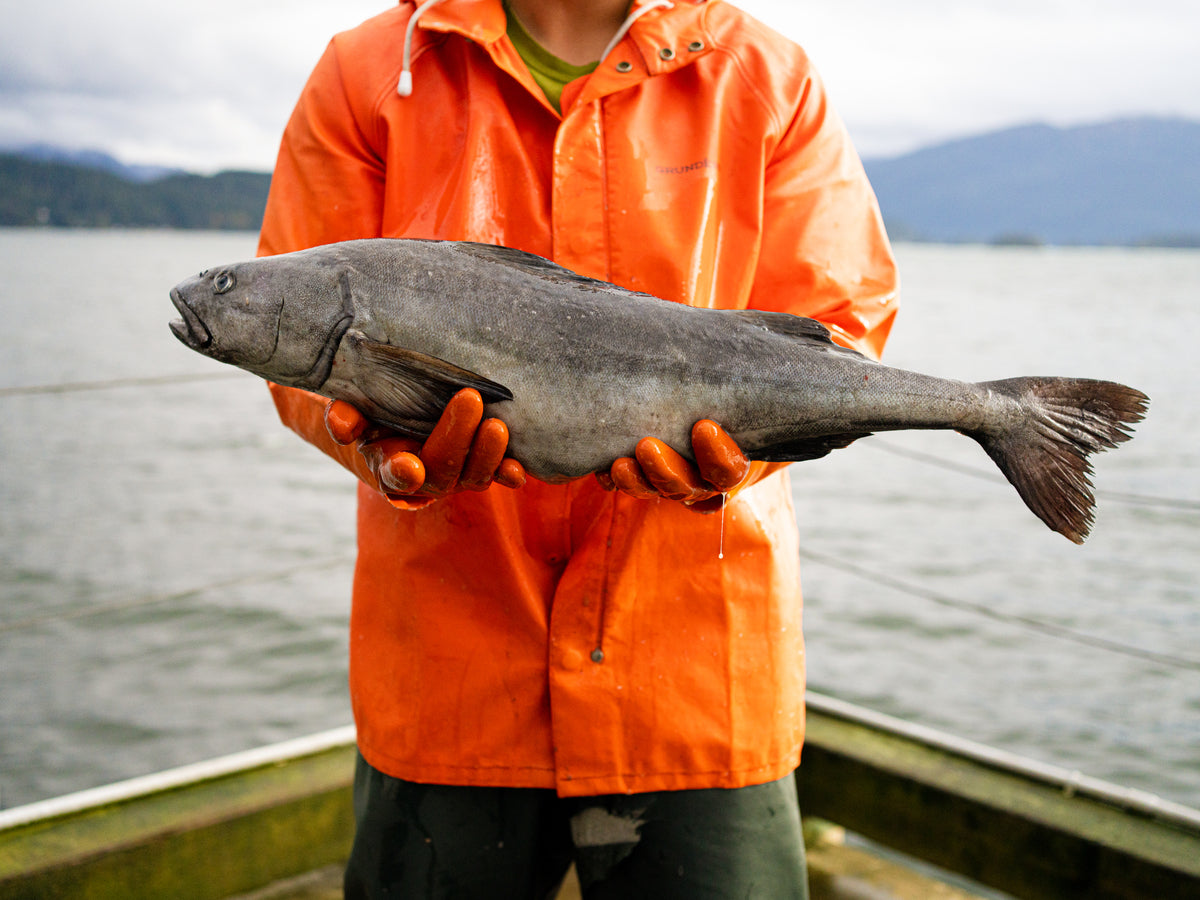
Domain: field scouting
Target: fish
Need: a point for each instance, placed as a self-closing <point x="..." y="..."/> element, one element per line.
<point x="580" y="370"/>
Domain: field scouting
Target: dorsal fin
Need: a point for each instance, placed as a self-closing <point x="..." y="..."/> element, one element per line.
<point x="537" y="266"/>
<point x="792" y="326"/>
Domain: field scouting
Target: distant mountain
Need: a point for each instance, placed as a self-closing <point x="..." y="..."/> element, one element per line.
<point x="91" y="159"/>
<point x="1132" y="181"/>
<point x="44" y="192"/>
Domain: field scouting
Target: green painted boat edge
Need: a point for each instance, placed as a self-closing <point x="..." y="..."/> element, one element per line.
<point x="1000" y="820"/>
<point x="235" y="824"/>
<point x="206" y="831"/>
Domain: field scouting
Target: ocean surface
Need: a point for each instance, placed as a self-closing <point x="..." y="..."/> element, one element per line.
<point x="175" y="566"/>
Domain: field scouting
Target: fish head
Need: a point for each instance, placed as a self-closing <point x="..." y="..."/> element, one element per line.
<point x="226" y="316"/>
<point x="278" y="317"/>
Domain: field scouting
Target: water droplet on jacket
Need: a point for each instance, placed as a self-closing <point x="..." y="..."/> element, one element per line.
<point x="721" y="544"/>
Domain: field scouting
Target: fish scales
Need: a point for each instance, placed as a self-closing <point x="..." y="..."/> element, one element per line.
<point x="580" y="370"/>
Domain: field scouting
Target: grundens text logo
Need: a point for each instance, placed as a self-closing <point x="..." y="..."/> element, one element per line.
<point x="697" y="166"/>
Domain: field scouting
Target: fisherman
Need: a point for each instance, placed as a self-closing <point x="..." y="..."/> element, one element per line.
<point x="594" y="671"/>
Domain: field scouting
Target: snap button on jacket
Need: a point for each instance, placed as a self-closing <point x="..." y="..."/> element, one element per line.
<point x="560" y="636"/>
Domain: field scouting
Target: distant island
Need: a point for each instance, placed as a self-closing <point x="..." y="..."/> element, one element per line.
<point x="95" y="191"/>
<point x="1130" y="182"/>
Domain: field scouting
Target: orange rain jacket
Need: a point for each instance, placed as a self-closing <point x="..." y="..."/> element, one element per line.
<point x="563" y="636"/>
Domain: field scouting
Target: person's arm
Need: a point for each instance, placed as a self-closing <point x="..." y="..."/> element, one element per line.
<point x="824" y="255"/>
<point x="328" y="182"/>
<point x="328" y="186"/>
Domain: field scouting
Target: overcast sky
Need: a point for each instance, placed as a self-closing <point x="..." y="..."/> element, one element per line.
<point x="209" y="85"/>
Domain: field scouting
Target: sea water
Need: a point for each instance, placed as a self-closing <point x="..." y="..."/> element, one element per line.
<point x="175" y="566"/>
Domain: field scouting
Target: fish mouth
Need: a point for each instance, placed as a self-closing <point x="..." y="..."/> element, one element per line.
<point x="191" y="328"/>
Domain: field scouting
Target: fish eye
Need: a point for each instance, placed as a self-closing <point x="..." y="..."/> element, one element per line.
<point x="224" y="281"/>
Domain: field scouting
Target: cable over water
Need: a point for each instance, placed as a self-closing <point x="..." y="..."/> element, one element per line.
<point x="173" y="596"/>
<point x="986" y="475"/>
<point x="72" y="387"/>
<point x="156" y="381"/>
<point x="1029" y="623"/>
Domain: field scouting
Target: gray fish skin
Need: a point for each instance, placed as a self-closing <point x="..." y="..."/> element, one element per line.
<point x="581" y="370"/>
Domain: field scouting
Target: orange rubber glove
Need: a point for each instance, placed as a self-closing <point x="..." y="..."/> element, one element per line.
<point x="463" y="452"/>
<point x="656" y="470"/>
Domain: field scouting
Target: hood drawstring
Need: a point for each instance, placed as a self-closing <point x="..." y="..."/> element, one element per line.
<point x="628" y="23"/>
<point x="404" y="87"/>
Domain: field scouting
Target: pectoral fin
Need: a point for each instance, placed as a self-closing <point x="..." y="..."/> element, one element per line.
<point x="407" y="390"/>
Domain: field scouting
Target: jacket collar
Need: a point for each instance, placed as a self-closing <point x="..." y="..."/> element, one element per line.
<point x="483" y="21"/>
<point x="659" y="39"/>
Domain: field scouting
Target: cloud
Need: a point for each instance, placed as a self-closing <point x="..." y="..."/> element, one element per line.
<point x="210" y="85"/>
<point x="903" y="74"/>
<point x="198" y="85"/>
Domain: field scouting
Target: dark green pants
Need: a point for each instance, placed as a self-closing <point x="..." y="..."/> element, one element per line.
<point x="437" y="841"/>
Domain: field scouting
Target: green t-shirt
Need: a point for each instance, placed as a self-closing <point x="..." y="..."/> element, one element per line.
<point x="551" y="73"/>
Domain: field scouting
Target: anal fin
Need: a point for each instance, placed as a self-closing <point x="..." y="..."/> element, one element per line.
<point x="806" y="448"/>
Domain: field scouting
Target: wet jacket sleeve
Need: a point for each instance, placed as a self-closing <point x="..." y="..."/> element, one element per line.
<point x="327" y="187"/>
<point x="328" y="183"/>
<point x="824" y="252"/>
<point x="304" y="413"/>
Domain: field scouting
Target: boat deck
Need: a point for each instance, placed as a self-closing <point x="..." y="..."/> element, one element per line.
<point x="276" y="822"/>
<point x="835" y="872"/>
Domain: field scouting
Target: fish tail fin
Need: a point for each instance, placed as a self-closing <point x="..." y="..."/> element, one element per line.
<point x="1044" y="451"/>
